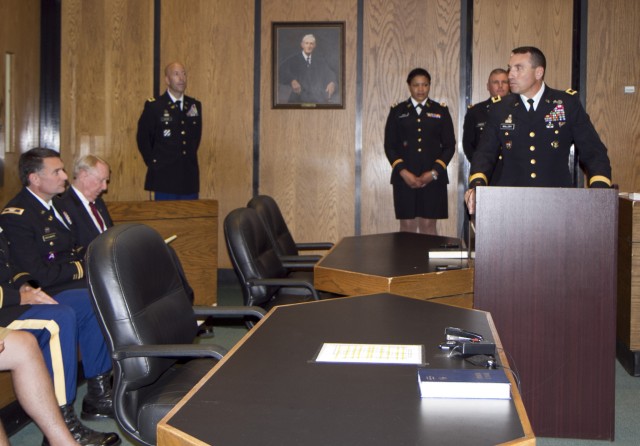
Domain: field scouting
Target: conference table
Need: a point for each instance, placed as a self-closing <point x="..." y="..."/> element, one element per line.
<point x="397" y="263"/>
<point x="270" y="389"/>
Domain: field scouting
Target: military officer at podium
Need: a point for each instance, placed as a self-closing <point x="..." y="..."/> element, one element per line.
<point x="169" y="132"/>
<point x="536" y="126"/>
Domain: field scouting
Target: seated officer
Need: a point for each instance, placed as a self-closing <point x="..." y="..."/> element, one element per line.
<point x="60" y="324"/>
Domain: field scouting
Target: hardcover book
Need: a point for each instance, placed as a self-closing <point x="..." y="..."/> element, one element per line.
<point x="464" y="383"/>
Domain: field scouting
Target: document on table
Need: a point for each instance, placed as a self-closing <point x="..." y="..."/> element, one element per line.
<point x="371" y="353"/>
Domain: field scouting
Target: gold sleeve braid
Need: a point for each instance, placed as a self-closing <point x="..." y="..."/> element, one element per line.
<point x="602" y="178"/>
<point x="80" y="269"/>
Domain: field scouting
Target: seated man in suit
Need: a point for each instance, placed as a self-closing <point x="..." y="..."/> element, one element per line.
<point x="83" y="203"/>
<point x="82" y="199"/>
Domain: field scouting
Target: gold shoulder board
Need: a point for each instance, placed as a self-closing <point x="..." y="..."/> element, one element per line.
<point x="496" y="99"/>
<point x="443" y="104"/>
<point x="15" y="211"/>
<point x="571" y="92"/>
<point x="151" y="99"/>
<point x="470" y="106"/>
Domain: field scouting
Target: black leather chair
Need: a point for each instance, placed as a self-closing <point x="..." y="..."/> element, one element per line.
<point x="286" y="247"/>
<point x="262" y="275"/>
<point x="149" y="325"/>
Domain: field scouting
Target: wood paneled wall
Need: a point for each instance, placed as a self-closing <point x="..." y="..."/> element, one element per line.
<point x="613" y="62"/>
<point x="400" y="35"/>
<point x="500" y="26"/>
<point x="307" y="159"/>
<point x="106" y="75"/>
<point x="19" y="36"/>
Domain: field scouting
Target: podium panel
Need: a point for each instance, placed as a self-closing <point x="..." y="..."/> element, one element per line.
<point x="545" y="268"/>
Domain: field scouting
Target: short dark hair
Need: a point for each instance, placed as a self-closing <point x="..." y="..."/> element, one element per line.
<point x="418" y="72"/>
<point x="31" y="161"/>
<point x="537" y="57"/>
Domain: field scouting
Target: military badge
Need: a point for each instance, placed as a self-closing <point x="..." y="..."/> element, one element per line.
<point x="193" y="111"/>
<point x="406" y="115"/>
<point x="555" y="144"/>
<point x="557" y="114"/>
<point x="66" y="217"/>
<point x="509" y="119"/>
<point x="15" y="211"/>
<point x="166" y="117"/>
<point x="166" y="133"/>
<point x="508" y="145"/>
<point x="52" y="256"/>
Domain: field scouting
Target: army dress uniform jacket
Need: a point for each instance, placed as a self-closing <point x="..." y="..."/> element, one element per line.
<point x="420" y="143"/>
<point x="474" y="123"/>
<point x="84" y="229"/>
<point x="168" y="140"/>
<point x="536" y="147"/>
<point x="41" y="244"/>
<point x="11" y="279"/>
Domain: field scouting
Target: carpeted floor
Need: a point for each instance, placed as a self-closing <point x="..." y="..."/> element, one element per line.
<point x="627" y="394"/>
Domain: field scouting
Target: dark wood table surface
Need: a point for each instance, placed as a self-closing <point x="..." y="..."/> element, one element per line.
<point x="269" y="390"/>
<point x="397" y="263"/>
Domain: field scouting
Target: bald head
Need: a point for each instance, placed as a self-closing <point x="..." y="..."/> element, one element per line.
<point x="175" y="76"/>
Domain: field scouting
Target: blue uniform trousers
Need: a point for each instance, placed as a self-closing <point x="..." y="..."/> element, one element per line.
<point x="60" y="329"/>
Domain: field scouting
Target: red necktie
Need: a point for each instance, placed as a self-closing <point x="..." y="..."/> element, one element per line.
<point x="98" y="217"/>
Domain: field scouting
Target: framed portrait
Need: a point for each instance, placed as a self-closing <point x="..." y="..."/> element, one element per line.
<point x="308" y="65"/>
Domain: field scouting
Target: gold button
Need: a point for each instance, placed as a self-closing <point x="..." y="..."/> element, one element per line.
<point x="183" y="132"/>
<point x="506" y="133"/>
<point x="50" y="243"/>
<point x="419" y="139"/>
<point x="533" y="175"/>
<point x="532" y="134"/>
<point x="533" y="161"/>
<point x="419" y="150"/>
<point x="155" y="161"/>
<point x="184" y="152"/>
<point x="557" y="131"/>
<point x="419" y="130"/>
<point x="532" y="148"/>
<point x="184" y="143"/>
<point x="500" y="157"/>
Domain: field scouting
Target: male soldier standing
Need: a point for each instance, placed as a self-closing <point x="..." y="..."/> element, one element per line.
<point x="169" y="132"/>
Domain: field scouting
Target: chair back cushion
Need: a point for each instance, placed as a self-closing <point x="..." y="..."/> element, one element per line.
<point x="252" y="254"/>
<point x="270" y="214"/>
<point x="139" y="297"/>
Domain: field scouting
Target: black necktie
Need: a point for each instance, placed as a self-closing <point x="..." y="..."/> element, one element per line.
<point x="178" y="102"/>
<point x="531" y="110"/>
<point x="308" y="60"/>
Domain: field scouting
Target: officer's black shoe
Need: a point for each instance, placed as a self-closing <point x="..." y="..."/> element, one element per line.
<point x="98" y="403"/>
<point x="82" y="434"/>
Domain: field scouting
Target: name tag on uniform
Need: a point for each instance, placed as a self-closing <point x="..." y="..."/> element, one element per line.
<point x="504" y="126"/>
<point x="49" y="237"/>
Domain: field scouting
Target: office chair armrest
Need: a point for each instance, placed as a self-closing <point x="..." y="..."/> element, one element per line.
<point x="230" y="311"/>
<point x="310" y="258"/>
<point x="170" y="351"/>
<point x="314" y="245"/>
<point x="300" y="263"/>
<point x="286" y="283"/>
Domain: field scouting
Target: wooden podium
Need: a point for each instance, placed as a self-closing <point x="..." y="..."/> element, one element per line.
<point x="545" y="268"/>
